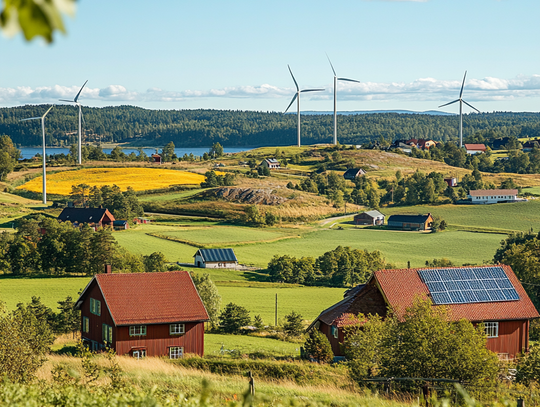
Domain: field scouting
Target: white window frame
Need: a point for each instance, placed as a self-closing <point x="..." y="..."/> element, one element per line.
<point x="139" y="353"/>
<point x="107" y="333"/>
<point x="95" y="306"/>
<point x="85" y="325"/>
<point x="137" y="330"/>
<point x="176" y="352"/>
<point x="492" y="329"/>
<point x="177" y="329"/>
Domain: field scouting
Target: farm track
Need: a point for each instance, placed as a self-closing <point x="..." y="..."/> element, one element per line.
<point x="210" y="246"/>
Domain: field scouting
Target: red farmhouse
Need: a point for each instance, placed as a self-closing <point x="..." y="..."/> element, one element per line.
<point x="489" y="294"/>
<point x="143" y="314"/>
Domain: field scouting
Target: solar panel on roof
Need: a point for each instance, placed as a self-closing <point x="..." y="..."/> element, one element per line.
<point x="468" y="285"/>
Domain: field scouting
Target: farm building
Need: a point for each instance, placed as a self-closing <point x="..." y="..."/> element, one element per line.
<point x="504" y="307"/>
<point x="270" y="163"/>
<point x="95" y="217"/>
<point x="451" y="181"/>
<point x="352" y="173"/>
<point x="529" y="145"/>
<point x="143" y="314"/>
<point x="120" y="225"/>
<point x="491" y="196"/>
<point x="475" y="148"/>
<point x="157" y="158"/>
<point x="411" y="222"/>
<point x="369" y="218"/>
<point x="422" y="144"/>
<point x="215" y="258"/>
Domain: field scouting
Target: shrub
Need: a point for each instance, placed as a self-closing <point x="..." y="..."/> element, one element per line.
<point x="318" y="347"/>
<point x="233" y="318"/>
<point x="294" y="325"/>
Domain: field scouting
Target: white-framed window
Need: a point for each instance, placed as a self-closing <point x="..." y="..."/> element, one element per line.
<point x="137" y="330"/>
<point x="177" y="329"/>
<point x="335" y="331"/>
<point x="139" y="354"/>
<point x="492" y="329"/>
<point x="86" y="324"/>
<point x="95" y="306"/>
<point x="176" y="352"/>
<point x="107" y="333"/>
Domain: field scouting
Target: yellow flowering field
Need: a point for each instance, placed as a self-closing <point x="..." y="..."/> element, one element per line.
<point x="140" y="179"/>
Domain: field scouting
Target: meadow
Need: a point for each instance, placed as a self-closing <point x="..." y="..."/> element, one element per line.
<point x="139" y="178"/>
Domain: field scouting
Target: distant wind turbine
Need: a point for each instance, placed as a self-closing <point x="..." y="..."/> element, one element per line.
<point x="297" y="98"/>
<point x="76" y="101"/>
<point x="461" y="101"/>
<point x="335" y="96"/>
<point x="42" y="118"/>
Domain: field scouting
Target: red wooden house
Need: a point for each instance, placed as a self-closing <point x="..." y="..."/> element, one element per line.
<point x="481" y="294"/>
<point x="95" y="217"/>
<point x="143" y="314"/>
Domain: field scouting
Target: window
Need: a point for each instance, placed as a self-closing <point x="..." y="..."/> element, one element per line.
<point x="137" y="330"/>
<point x="139" y="354"/>
<point x="176" y="352"/>
<point x="95" y="306"/>
<point x="85" y="324"/>
<point x="177" y="329"/>
<point x="335" y="331"/>
<point x="107" y="333"/>
<point x="492" y="329"/>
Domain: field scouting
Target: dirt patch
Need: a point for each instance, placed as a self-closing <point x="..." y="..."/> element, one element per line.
<point x="247" y="196"/>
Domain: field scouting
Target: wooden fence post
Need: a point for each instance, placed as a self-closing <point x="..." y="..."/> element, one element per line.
<point x="251" y="384"/>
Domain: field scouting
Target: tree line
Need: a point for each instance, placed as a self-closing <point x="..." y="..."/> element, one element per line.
<point x="197" y="128"/>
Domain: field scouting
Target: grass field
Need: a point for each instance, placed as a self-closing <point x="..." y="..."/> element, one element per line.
<point x="140" y="179"/>
<point x="248" y="344"/>
<point x="225" y="234"/>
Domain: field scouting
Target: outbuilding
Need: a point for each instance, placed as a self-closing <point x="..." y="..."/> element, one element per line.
<point x="475" y="148"/>
<point x="215" y="258"/>
<point x="491" y="295"/>
<point x="411" y="222"/>
<point x="352" y="173"/>
<point x="143" y="314"/>
<point x="270" y="163"/>
<point x="491" y="196"/>
<point x="373" y="218"/>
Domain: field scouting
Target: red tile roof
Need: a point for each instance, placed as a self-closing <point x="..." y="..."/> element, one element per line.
<point x="479" y="147"/>
<point x="151" y="298"/>
<point x="401" y="287"/>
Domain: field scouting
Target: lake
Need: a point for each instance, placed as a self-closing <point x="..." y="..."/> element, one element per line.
<point x="29" y="152"/>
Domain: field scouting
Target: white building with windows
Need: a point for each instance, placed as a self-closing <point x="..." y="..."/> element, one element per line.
<point x="491" y="196"/>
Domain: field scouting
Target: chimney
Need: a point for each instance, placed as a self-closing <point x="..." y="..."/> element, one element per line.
<point x="108" y="269"/>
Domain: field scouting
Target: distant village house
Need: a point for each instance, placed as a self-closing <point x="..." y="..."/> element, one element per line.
<point x="156" y="158"/>
<point x="475" y="148"/>
<point x="215" y="258"/>
<point x="143" y="314"/>
<point x="374" y="218"/>
<point x="352" y="173"/>
<point x="491" y="196"/>
<point x="270" y="163"/>
<point x="411" y="222"/>
<point x="95" y="217"/>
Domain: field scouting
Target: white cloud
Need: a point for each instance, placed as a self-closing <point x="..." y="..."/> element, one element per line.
<point x="422" y="89"/>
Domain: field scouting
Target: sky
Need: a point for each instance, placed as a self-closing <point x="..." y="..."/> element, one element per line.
<point x="212" y="54"/>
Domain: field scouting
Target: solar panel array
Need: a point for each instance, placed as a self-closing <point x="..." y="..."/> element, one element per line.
<point x="468" y="285"/>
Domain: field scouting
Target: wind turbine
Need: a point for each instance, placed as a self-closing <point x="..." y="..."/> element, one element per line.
<point x="297" y="98"/>
<point x="335" y="96"/>
<point x="76" y="101"/>
<point x="461" y="101"/>
<point x="44" y="165"/>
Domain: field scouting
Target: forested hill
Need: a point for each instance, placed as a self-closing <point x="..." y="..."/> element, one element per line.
<point x="192" y="128"/>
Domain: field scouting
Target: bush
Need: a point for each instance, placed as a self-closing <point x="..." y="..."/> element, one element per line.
<point x="294" y="325"/>
<point x="233" y="318"/>
<point x="528" y="367"/>
<point x="318" y="347"/>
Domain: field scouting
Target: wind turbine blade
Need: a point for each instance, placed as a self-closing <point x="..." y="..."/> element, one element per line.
<point x="311" y="90"/>
<point x="30" y="118"/>
<point x="462" y="85"/>
<point x="333" y="70"/>
<point x="65" y="100"/>
<point x="78" y="94"/>
<point x="449" y="103"/>
<point x="82" y="115"/>
<point x="47" y="112"/>
<point x="297" y="88"/>
<point x="471" y="106"/>
<point x="349" y="80"/>
<point x="292" y="101"/>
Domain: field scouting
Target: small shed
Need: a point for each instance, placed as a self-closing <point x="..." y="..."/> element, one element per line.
<point x="411" y="222"/>
<point x="369" y="218"/>
<point x="270" y="163"/>
<point x="352" y="173"/>
<point x="215" y="258"/>
<point x="120" y="225"/>
<point x="156" y="158"/>
<point x="451" y="181"/>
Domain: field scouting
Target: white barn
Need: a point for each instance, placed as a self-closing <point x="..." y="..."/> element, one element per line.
<point x="215" y="258"/>
<point x="491" y="196"/>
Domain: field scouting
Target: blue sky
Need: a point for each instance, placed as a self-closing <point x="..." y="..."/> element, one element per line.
<point x="234" y="55"/>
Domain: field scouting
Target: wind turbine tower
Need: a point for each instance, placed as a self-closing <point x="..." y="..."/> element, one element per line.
<point x="461" y="101"/>
<point x="42" y="118"/>
<point x="336" y="79"/>
<point x="297" y="98"/>
<point x="76" y="102"/>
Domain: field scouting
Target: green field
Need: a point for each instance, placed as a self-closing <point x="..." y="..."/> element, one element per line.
<point x="248" y="344"/>
<point x="225" y="234"/>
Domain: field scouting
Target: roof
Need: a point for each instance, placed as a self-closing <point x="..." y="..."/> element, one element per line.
<point x="353" y="172"/>
<point x="212" y="255"/>
<point x="373" y="214"/>
<point x="401" y="287"/>
<point x="119" y="222"/>
<point x="493" y="192"/>
<point x="150" y="298"/>
<point x="84" y="215"/>
<point x="272" y="160"/>
<point x="409" y="218"/>
<point x="475" y="147"/>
